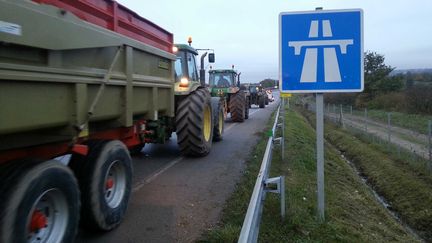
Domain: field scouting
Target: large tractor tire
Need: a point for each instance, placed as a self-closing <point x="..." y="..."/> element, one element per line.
<point x="261" y="102"/>
<point x="247" y="106"/>
<point x="40" y="202"/>
<point x="218" y="118"/>
<point x="238" y="107"/>
<point x="194" y="124"/>
<point x="105" y="179"/>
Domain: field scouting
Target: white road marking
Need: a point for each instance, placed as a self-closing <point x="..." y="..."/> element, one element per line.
<point x="153" y="176"/>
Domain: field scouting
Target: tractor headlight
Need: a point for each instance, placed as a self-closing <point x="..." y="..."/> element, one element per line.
<point x="184" y="82"/>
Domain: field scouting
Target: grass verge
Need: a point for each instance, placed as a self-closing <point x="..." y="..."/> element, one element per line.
<point x="352" y="213"/>
<point x="407" y="190"/>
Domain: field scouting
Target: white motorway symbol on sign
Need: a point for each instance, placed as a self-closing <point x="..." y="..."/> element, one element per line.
<point x="331" y="66"/>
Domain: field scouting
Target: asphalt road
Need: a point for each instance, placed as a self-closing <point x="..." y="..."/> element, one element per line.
<point x="176" y="198"/>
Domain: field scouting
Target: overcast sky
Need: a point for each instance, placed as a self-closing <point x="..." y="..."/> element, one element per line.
<point x="245" y="33"/>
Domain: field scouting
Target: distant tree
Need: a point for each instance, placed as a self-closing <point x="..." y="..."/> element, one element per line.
<point x="377" y="78"/>
<point x="268" y="83"/>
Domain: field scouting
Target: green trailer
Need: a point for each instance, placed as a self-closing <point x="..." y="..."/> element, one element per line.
<point x="94" y="89"/>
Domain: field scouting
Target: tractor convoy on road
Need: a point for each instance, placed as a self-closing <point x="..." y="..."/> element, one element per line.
<point x="94" y="80"/>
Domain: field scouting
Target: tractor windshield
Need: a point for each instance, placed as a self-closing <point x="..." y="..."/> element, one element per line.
<point x="253" y="89"/>
<point x="221" y="80"/>
<point x="185" y="66"/>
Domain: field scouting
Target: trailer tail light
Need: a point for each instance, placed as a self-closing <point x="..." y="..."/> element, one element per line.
<point x="80" y="149"/>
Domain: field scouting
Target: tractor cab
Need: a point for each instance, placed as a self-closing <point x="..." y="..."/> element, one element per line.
<point x="255" y="88"/>
<point x="222" y="78"/>
<point x="186" y="71"/>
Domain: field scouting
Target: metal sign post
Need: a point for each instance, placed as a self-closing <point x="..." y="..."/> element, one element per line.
<point x="321" y="52"/>
<point x="320" y="152"/>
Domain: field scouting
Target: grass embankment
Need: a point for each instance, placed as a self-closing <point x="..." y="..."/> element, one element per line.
<point x="408" y="191"/>
<point x="415" y="122"/>
<point x="352" y="214"/>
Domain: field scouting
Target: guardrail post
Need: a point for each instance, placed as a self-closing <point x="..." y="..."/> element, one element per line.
<point x="279" y="182"/>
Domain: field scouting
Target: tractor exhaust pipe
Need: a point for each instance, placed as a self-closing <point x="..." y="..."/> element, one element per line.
<point x="202" y="70"/>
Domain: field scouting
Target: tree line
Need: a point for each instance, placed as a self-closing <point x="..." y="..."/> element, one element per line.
<point x="405" y="91"/>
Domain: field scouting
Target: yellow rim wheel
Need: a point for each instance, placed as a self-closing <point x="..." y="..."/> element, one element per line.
<point x="221" y="120"/>
<point x="207" y="123"/>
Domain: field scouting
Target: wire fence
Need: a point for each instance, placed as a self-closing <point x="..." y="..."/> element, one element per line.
<point x="400" y="135"/>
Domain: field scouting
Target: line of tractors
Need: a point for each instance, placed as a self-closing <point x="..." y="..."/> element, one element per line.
<point x="236" y="98"/>
<point x="94" y="80"/>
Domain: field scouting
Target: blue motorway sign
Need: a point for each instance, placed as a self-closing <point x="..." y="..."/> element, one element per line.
<point x="321" y="51"/>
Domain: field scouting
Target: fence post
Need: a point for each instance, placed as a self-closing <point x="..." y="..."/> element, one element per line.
<point x="389" y="128"/>
<point x="430" y="144"/>
<point x="365" y="116"/>
<point x="341" y="117"/>
<point x="351" y="110"/>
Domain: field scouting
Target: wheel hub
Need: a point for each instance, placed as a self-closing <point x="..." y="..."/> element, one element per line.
<point x="115" y="184"/>
<point x="38" y="221"/>
<point x="207" y="123"/>
<point x="109" y="183"/>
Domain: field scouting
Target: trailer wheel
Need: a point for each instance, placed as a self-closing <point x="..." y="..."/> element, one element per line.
<point x="238" y="107"/>
<point x="218" y="118"/>
<point x="266" y="99"/>
<point x="194" y="124"/>
<point x="261" y="102"/>
<point x="105" y="179"/>
<point x="40" y="203"/>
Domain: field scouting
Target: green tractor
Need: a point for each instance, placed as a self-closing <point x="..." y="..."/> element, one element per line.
<point x="257" y="95"/>
<point x="196" y="111"/>
<point x="225" y="84"/>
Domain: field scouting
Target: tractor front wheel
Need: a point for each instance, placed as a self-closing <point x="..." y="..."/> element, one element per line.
<point x="194" y="124"/>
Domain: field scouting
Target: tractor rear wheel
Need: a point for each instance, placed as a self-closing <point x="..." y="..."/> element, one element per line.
<point x="261" y="102"/>
<point x="238" y="107"/>
<point x="218" y="119"/>
<point x="194" y="124"/>
<point x="247" y="108"/>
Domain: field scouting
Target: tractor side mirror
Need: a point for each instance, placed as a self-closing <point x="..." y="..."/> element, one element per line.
<point x="211" y="58"/>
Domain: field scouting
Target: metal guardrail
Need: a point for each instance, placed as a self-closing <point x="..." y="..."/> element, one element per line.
<point x="263" y="184"/>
